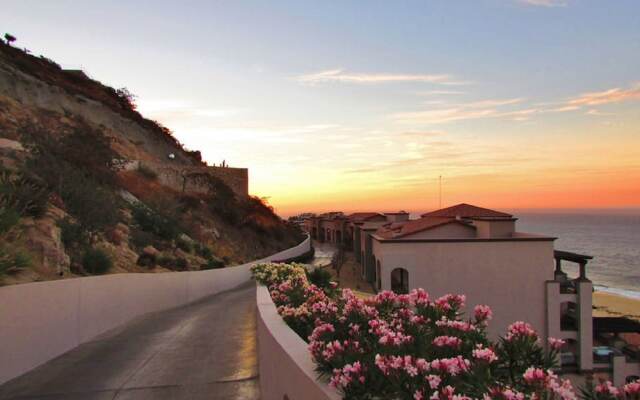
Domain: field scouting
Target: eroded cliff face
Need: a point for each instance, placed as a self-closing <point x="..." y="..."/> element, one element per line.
<point x="154" y="226"/>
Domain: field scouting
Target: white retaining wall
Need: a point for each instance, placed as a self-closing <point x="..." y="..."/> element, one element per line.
<point x="285" y="366"/>
<point x="42" y="320"/>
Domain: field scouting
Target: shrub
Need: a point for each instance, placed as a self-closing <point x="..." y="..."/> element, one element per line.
<point x="146" y="260"/>
<point x="96" y="261"/>
<point x="184" y="245"/>
<point x="72" y="234"/>
<point x="150" y="221"/>
<point x="147" y="172"/>
<point x="412" y="347"/>
<point x="319" y="277"/>
<point x="181" y="263"/>
<point x="25" y="194"/>
<point x="9" y="218"/>
<point x="141" y="239"/>
<point x="166" y="261"/>
<point x="203" y="251"/>
<point x="12" y="260"/>
<point x="213" y="263"/>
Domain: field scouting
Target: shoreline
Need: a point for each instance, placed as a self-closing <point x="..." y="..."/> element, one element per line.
<point x="608" y="303"/>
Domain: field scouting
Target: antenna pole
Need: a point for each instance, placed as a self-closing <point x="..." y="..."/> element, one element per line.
<point x="440" y="192"/>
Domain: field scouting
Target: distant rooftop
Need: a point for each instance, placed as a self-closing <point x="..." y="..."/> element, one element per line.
<point x="464" y="210"/>
<point x="401" y="229"/>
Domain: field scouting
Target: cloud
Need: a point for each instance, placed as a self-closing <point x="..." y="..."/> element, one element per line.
<point x="615" y="95"/>
<point x="466" y="111"/>
<point x="340" y="76"/>
<point x="545" y="3"/>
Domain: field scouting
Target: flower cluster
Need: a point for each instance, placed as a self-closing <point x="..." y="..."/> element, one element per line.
<point x="410" y="346"/>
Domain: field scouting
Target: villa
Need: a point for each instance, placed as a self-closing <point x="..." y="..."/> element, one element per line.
<point x="480" y="253"/>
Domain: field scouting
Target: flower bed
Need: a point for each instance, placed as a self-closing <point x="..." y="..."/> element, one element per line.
<point x="413" y="347"/>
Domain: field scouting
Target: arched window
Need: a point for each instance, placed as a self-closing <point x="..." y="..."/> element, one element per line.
<point x="400" y="281"/>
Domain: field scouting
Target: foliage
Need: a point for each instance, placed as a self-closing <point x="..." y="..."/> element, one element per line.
<point x="146" y="260"/>
<point x="12" y="260"/>
<point x="96" y="261"/>
<point x="184" y="245"/>
<point x="141" y="239"/>
<point x="213" y="263"/>
<point x="8" y="219"/>
<point x="127" y="98"/>
<point x="163" y="226"/>
<point x="319" y="277"/>
<point x="9" y="38"/>
<point x="72" y="234"/>
<point x="23" y="193"/>
<point x="222" y="200"/>
<point x="203" y="251"/>
<point x="80" y="168"/>
<point x="412" y="347"/>
<point x="181" y="263"/>
<point x="147" y="172"/>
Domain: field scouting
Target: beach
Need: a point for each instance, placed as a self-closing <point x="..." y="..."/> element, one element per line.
<point x="613" y="305"/>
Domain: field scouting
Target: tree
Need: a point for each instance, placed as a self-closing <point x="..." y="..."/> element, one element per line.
<point x="9" y="38"/>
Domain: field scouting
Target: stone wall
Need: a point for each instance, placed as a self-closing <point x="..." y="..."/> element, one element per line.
<point x="194" y="179"/>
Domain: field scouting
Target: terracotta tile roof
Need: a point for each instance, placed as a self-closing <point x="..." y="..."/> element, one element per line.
<point x="464" y="210"/>
<point x="401" y="229"/>
<point x="362" y="216"/>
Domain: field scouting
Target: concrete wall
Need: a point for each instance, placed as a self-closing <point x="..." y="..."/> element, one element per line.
<point x="285" y="365"/>
<point x="40" y="321"/>
<point x="172" y="175"/>
<point x="509" y="276"/>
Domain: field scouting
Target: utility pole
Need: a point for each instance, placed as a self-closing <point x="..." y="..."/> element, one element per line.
<point x="440" y="192"/>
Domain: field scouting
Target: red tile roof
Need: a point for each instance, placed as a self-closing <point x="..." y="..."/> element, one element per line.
<point x="401" y="229"/>
<point x="464" y="210"/>
<point x="362" y="216"/>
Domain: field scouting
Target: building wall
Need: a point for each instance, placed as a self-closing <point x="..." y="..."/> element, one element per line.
<point x="509" y="276"/>
<point x="448" y="231"/>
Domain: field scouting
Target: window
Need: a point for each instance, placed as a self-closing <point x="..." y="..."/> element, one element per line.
<point x="400" y="281"/>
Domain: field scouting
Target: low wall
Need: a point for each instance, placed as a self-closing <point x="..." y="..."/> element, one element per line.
<point x="40" y="321"/>
<point x="285" y="366"/>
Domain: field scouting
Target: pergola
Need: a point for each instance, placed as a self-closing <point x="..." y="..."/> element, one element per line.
<point x="579" y="259"/>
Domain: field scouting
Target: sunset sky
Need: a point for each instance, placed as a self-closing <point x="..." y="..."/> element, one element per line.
<point x="361" y="105"/>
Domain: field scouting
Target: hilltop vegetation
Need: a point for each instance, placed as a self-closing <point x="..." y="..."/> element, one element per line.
<point x="68" y="207"/>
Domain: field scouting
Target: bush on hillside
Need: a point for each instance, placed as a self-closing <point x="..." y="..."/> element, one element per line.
<point x="23" y="193"/>
<point x="9" y="218"/>
<point x="96" y="261"/>
<point x="80" y="168"/>
<point x="148" y="220"/>
<point x="72" y="234"/>
<point x="147" y="172"/>
<point x="184" y="245"/>
<point x="213" y="263"/>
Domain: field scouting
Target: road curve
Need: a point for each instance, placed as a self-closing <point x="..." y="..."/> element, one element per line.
<point x="205" y="350"/>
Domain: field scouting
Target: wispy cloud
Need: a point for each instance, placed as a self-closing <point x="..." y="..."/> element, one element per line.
<point x="466" y="111"/>
<point x="545" y="3"/>
<point x="341" y="76"/>
<point x="615" y="95"/>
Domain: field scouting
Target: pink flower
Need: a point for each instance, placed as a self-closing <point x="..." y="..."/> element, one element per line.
<point x="534" y="375"/>
<point x="434" y="381"/>
<point x="484" y="354"/>
<point x="607" y="388"/>
<point x="520" y="329"/>
<point x="632" y="388"/>
<point x="483" y="313"/>
<point x="447" y="341"/>
<point x="556" y="344"/>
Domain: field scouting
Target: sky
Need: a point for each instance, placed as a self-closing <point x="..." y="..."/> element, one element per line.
<point x="364" y="105"/>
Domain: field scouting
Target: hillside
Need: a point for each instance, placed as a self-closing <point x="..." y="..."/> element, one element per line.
<point x="84" y="186"/>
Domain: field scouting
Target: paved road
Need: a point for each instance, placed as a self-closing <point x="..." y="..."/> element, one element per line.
<point x="205" y="350"/>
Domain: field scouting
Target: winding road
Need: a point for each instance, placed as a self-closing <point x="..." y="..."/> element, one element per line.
<point x="205" y="350"/>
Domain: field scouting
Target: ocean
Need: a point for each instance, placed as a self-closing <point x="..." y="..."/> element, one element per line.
<point x="612" y="239"/>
